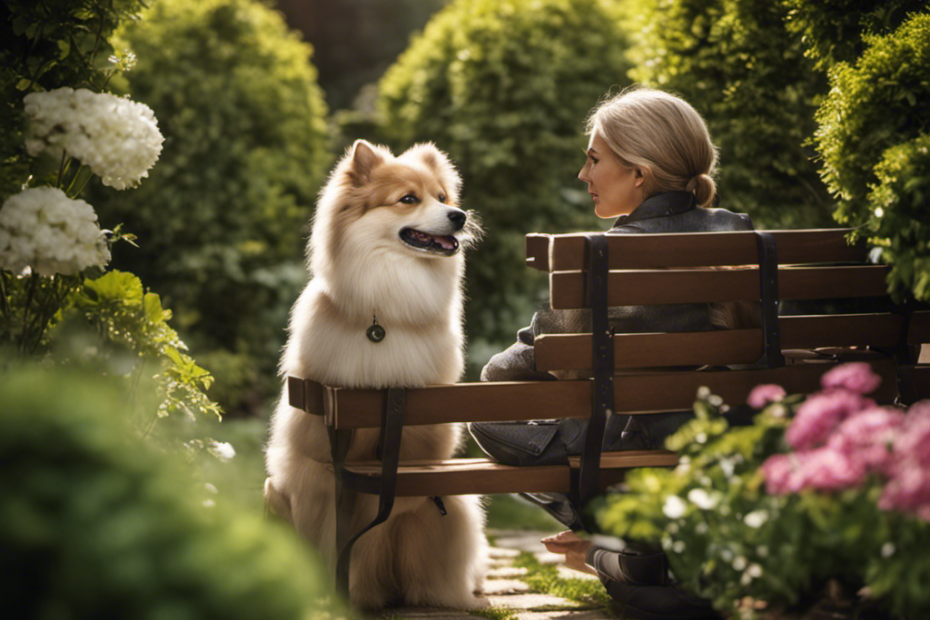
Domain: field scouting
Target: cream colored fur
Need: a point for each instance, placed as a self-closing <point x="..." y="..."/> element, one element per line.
<point x="361" y="268"/>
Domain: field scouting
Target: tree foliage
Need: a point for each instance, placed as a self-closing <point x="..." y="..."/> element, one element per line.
<point x="873" y="140"/>
<point x="222" y="216"/>
<point x="833" y="31"/>
<point x="98" y="524"/>
<point x="504" y="88"/>
<point x="737" y="64"/>
<point x="354" y="41"/>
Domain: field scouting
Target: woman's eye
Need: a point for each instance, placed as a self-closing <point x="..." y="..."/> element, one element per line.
<point x="593" y="160"/>
<point x="442" y="197"/>
<point x="410" y="199"/>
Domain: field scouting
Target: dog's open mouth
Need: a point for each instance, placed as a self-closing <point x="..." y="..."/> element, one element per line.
<point x="440" y="244"/>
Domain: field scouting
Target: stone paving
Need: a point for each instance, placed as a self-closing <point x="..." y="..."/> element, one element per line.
<point x="505" y="590"/>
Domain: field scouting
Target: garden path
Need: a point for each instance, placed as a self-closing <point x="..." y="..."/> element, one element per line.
<point x="509" y="596"/>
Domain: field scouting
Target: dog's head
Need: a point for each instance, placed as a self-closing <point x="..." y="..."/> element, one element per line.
<point x="375" y="202"/>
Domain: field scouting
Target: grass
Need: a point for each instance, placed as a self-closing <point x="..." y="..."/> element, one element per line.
<point x="546" y="579"/>
<point x="510" y="512"/>
<point x="495" y="613"/>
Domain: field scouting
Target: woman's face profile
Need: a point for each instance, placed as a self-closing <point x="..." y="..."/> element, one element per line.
<point x="616" y="189"/>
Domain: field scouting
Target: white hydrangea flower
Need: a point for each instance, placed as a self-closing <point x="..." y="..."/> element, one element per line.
<point x="118" y="138"/>
<point x="43" y="229"/>
<point x="221" y="450"/>
<point x="674" y="507"/>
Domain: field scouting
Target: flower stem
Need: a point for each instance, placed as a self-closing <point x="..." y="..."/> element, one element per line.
<point x="30" y="293"/>
<point x="4" y="303"/>
<point x="61" y="168"/>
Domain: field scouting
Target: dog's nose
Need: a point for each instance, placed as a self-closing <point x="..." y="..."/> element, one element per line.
<point x="457" y="218"/>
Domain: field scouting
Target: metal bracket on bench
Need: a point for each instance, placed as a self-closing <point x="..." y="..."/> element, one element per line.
<point x="347" y="483"/>
<point x="602" y="364"/>
<point x="768" y="285"/>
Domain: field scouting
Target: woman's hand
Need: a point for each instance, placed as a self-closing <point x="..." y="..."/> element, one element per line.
<point x="573" y="547"/>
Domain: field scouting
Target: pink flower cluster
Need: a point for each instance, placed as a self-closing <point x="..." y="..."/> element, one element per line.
<point x="840" y="437"/>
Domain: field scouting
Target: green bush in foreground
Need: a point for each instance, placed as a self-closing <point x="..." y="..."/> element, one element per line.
<point x="97" y="525"/>
<point x="504" y="87"/>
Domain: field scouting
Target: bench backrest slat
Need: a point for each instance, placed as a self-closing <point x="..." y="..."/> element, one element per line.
<point x="635" y="394"/>
<point x="657" y="251"/>
<point x="723" y="347"/>
<point x="646" y="287"/>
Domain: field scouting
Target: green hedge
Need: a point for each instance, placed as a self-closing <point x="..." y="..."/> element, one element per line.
<point x="833" y="30"/>
<point x="872" y="141"/>
<point x="504" y="86"/>
<point x="96" y="525"/>
<point x="736" y="62"/>
<point x="221" y="219"/>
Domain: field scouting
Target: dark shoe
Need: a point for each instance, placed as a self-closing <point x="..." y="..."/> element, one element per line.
<point x="659" y="602"/>
<point x="638" y="580"/>
<point x="559" y="507"/>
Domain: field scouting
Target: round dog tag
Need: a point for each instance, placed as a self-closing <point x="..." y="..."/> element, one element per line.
<point x="375" y="333"/>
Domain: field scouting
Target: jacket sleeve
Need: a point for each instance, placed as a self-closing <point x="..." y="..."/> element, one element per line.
<point x="518" y="362"/>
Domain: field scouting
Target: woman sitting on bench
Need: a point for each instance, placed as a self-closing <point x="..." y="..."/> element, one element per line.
<point x="649" y="164"/>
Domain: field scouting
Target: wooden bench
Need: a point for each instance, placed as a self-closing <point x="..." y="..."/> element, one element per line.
<point x="596" y="271"/>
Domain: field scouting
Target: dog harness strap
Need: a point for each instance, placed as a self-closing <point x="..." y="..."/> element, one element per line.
<point x="392" y="426"/>
<point x="602" y="364"/>
<point x="768" y="293"/>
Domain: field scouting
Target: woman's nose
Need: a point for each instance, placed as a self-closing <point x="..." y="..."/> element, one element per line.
<point x="582" y="174"/>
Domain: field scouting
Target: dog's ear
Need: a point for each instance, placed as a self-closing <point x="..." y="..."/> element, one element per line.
<point x="438" y="162"/>
<point x="365" y="158"/>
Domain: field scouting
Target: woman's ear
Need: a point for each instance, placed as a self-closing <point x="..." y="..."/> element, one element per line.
<point x="641" y="174"/>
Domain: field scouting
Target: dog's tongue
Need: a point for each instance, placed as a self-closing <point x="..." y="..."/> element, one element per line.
<point x="447" y="243"/>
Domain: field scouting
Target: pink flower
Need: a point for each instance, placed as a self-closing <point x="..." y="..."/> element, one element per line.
<point x="866" y="437"/>
<point x="765" y="393"/>
<point x="855" y="376"/>
<point x="776" y="470"/>
<point x="823" y="469"/>
<point x="913" y="442"/>
<point x="820" y="414"/>
<point x="908" y="490"/>
<point x="828" y="470"/>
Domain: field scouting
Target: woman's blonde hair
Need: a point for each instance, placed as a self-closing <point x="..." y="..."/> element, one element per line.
<point x="663" y="136"/>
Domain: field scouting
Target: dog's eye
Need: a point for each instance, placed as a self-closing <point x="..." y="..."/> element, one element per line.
<point x="442" y="197"/>
<point x="410" y="199"/>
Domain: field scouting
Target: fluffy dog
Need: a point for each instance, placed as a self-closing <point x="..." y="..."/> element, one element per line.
<point x="386" y="246"/>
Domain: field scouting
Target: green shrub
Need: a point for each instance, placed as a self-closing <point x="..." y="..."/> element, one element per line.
<point x="733" y="538"/>
<point x="221" y="219"/>
<point x="874" y="106"/>
<point x="833" y="29"/>
<point x="504" y="87"/>
<point x="97" y="525"/>
<point x="902" y="196"/>
<point x="737" y="64"/>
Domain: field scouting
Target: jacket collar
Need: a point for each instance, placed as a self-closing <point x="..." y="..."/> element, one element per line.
<point x="659" y="205"/>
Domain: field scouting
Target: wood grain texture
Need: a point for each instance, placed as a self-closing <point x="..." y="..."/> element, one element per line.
<point x="635" y="394"/>
<point x="485" y="477"/>
<point x="722" y="347"/>
<point x="677" y="286"/>
<point x="656" y="251"/>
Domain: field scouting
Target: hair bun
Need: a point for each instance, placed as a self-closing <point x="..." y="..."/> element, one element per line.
<point x="704" y="189"/>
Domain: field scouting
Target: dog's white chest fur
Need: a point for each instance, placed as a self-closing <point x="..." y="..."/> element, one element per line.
<point x="422" y="344"/>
